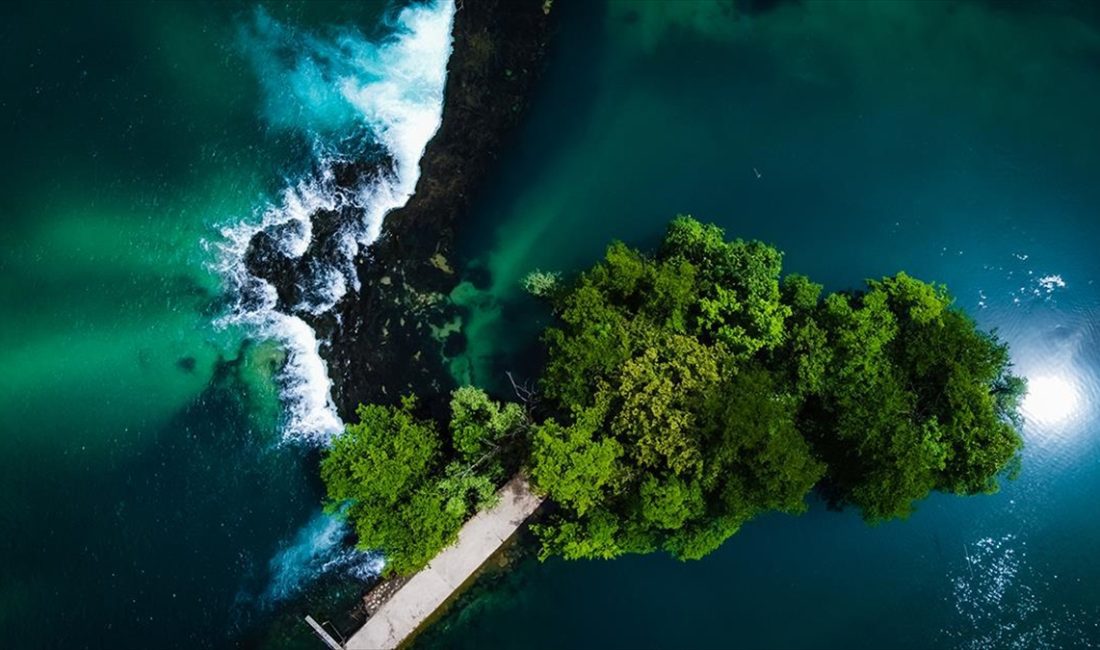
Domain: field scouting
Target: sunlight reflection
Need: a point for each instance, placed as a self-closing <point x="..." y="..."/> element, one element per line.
<point x="1051" y="399"/>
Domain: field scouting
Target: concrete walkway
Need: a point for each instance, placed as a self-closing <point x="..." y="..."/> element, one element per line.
<point x="412" y="605"/>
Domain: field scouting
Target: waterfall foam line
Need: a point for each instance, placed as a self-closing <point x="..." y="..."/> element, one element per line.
<point x="347" y="96"/>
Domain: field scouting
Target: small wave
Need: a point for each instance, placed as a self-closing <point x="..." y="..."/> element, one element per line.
<point x="318" y="548"/>
<point x="349" y="97"/>
<point x="304" y="382"/>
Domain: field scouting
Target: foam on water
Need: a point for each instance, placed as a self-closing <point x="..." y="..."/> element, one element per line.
<point x="317" y="548"/>
<point x="348" y="97"/>
<point x="304" y="383"/>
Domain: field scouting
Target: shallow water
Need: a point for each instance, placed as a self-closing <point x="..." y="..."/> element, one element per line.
<point x="956" y="141"/>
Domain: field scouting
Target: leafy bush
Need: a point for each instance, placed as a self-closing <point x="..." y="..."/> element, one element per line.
<point x="387" y="475"/>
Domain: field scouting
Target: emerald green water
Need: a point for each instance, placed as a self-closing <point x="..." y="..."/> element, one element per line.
<point x="150" y="499"/>
<point x="957" y="141"/>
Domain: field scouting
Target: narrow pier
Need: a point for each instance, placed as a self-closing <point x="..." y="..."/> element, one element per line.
<point x="413" y="604"/>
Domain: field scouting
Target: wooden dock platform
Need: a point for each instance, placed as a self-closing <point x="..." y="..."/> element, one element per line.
<point x="400" y="617"/>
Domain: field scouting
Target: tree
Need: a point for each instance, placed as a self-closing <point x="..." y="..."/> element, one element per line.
<point x="651" y="361"/>
<point x="696" y="391"/>
<point x="738" y="298"/>
<point x="914" y="398"/>
<point x="379" y="460"/>
<point x="388" y="475"/>
<point x="573" y="464"/>
<point x="480" y="426"/>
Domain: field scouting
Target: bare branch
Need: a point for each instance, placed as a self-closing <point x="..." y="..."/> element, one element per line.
<point x="524" y="392"/>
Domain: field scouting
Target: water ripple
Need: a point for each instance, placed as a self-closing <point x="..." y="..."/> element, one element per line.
<point x="999" y="599"/>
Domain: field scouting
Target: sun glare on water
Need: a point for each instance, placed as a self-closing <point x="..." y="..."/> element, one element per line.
<point x="1050" y="399"/>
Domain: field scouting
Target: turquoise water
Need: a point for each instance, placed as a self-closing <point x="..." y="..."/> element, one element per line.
<point x="159" y="419"/>
<point x="957" y="141"/>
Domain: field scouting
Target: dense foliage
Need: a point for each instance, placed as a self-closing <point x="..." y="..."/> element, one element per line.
<point x="696" y="390"/>
<point x="387" y="475"/>
<point x="904" y="394"/>
<point x="687" y="392"/>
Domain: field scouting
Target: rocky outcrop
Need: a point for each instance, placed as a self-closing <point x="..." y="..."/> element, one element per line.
<point x="381" y="345"/>
<point x="389" y="338"/>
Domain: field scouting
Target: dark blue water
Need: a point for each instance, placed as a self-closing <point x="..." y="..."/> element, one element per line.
<point x="956" y="141"/>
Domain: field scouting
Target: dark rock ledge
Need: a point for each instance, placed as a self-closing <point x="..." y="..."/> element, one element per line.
<point x="380" y="343"/>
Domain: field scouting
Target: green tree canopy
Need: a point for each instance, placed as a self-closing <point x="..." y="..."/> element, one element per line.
<point x="688" y="392"/>
<point x="388" y="475"/>
<point x="915" y="398"/>
<point x="480" y="427"/>
<point x="677" y="439"/>
<point x="698" y="390"/>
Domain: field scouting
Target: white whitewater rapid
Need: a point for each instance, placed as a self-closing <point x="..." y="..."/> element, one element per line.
<point x="346" y="95"/>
